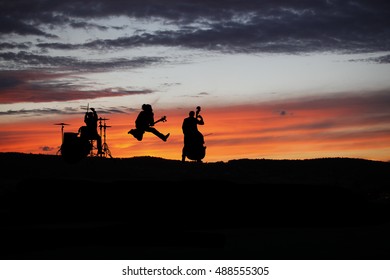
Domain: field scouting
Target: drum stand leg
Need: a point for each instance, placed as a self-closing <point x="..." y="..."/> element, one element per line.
<point x="93" y="152"/>
<point x="106" y="150"/>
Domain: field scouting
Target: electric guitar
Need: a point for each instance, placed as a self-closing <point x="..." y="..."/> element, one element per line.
<point x="162" y="119"/>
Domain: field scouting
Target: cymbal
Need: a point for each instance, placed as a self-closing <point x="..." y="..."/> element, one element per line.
<point x="61" y="124"/>
<point x="101" y="119"/>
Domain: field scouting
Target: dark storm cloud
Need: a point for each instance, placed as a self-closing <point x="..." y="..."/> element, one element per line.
<point x="65" y="111"/>
<point x="45" y="85"/>
<point x="86" y="25"/>
<point x="37" y="112"/>
<point x="9" y="25"/>
<point x="40" y="86"/>
<point x="8" y="81"/>
<point x="225" y="25"/>
<point x="59" y="93"/>
<point x="11" y="45"/>
<point x="64" y="62"/>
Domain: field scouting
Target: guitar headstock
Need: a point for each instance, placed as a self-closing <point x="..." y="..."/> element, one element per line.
<point x="163" y="119"/>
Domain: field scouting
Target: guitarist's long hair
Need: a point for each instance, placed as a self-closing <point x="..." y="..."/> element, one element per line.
<point x="147" y="107"/>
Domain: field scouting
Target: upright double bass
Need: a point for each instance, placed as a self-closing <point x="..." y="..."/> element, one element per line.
<point x="194" y="147"/>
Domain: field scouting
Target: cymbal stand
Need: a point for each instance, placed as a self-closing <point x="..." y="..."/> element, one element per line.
<point x="62" y="135"/>
<point x="105" y="149"/>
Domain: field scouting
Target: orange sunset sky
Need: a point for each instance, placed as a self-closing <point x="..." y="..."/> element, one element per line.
<point x="328" y="127"/>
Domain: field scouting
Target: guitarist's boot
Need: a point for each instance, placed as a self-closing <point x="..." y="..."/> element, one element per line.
<point x="159" y="134"/>
<point x="165" y="137"/>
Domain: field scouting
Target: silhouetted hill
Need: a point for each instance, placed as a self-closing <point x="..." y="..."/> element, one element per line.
<point x="346" y="172"/>
<point x="154" y="208"/>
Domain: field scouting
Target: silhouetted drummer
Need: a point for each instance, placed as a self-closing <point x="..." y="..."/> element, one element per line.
<point x="91" y="121"/>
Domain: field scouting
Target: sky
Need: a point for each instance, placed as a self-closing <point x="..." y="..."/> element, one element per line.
<point x="275" y="79"/>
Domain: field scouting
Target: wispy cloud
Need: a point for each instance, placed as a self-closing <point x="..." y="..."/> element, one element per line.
<point x="28" y="86"/>
<point x="71" y="63"/>
<point x="383" y="59"/>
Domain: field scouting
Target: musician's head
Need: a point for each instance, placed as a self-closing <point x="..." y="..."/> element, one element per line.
<point x="191" y="114"/>
<point x="147" y="107"/>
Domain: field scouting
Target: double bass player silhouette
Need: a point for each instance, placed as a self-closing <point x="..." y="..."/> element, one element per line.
<point x="194" y="148"/>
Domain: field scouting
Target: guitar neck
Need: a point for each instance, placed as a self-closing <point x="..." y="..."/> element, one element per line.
<point x="163" y="119"/>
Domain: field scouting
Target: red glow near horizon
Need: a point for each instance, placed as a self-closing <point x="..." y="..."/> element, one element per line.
<point x="274" y="130"/>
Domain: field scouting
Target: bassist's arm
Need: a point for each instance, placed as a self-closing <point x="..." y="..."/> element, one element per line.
<point x="199" y="120"/>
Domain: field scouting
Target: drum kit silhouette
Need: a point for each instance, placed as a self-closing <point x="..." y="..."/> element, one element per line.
<point x="74" y="147"/>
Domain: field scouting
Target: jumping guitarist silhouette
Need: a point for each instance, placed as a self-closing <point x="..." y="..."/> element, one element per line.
<point x="145" y="123"/>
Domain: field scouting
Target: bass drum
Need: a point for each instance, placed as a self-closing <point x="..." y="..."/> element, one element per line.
<point x="74" y="148"/>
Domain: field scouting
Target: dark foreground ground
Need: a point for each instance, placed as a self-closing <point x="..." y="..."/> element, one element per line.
<point x="153" y="208"/>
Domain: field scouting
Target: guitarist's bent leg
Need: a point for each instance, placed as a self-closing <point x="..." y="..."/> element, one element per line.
<point x="158" y="133"/>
